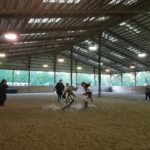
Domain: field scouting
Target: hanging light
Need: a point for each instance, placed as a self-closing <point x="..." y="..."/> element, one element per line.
<point x="10" y="36"/>
<point x="107" y="70"/>
<point x="142" y="55"/>
<point x="45" y="66"/>
<point x="132" y="66"/>
<point x="93" y="48"/>
<point x="61" y="60"/>
<point x="2" y="55"/>
<point x="79" y="68"/>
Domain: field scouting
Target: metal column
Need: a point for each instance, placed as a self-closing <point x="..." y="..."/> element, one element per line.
<point x="110" y="79"/>
<point x="121" y="79"/>
<point x="13" y="73"/>
<point x="71" y="66"/>
<point x="94" y="77"/>
<point x="135" y="77"/>
<point x="54" y="68"/>
<point x="29" y="67"/>
<point x="76" y="73"/>
<point x="99" y="63"/>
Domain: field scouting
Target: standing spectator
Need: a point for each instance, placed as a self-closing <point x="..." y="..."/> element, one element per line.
<point x="59" y="89"/>
<point x="3" y="88"/>
<point x="147" y="91"/>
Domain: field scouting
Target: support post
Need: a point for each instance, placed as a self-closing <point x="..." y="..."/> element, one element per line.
<point x="29" y="68"/>
<point x="54" y="68"/>
<point x="99" y="63"/>
<point x="94" y="77"/>
<point x="135" y="77"/>
<point x="121" y="79"/>
<point x="13" y="73"/>
<point x="71" y="66"/>
<point x="110" y="79"/>
<point x="76" y="72"/>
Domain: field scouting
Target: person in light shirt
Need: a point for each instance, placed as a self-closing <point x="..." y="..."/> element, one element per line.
<point x="69" y="95"/>
<point x="87" y="93"/>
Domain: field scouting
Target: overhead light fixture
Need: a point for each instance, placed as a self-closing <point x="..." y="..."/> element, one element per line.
<point x="45" y="66"/>
<point x="10" y="36"/>
<point x="93" y="48"/>
<point x="142" y="55"/>
<point x="132" y="66"/>
<point x="2" y="55"/>
<point x="107" y="70"/>
<point x="60" y="60"/>
<point x="79" y="68"/>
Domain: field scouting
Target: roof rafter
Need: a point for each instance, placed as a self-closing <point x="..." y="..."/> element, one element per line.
<point x="41" y="13"/>
<point x="96" y="59"/>
<point x="128" y="56"/>
<point x="129" y="42"/>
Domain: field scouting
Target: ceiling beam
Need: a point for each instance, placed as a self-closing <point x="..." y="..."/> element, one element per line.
<point x="127" y="56"/>
<point x="123" y="54"/>
<point x="37" y="46"/>
<point x="129" y="42"/>
<point x="108" y="56"/>
<point x="95" y="59"/>
<point x="43" y="51"/>
<point x="60" y="29"/>
<point x="140" y="25"/>
<point x="64" y="13"/>
<point x="80" y="60"/>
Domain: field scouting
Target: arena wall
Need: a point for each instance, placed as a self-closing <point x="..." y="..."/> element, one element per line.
<point x="33" y="89"/>
<point x="115" y="89"/>
<point x="125" y="89"/>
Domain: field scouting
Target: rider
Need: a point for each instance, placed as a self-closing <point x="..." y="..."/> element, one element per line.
<point x="87" y="93"/>
<point x="70" y="96"/>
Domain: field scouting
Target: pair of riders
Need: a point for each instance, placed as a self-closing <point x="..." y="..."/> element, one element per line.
<point x="69" y="94"/>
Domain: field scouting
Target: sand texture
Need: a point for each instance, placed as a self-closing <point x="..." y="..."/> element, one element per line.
<point x="36" y="122"/>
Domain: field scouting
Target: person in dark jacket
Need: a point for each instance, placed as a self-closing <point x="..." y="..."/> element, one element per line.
<point x="3" y="88"/>
<point x="147" y="92"/>
<point x="59" y="89"/>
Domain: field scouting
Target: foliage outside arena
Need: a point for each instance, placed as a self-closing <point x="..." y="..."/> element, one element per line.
<point x="42" y="78"/>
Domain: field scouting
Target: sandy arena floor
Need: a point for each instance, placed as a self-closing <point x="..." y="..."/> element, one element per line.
<point x="35" y="122"/>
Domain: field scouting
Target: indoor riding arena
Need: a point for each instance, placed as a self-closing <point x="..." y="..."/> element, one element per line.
<point x="74" y="75"/>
